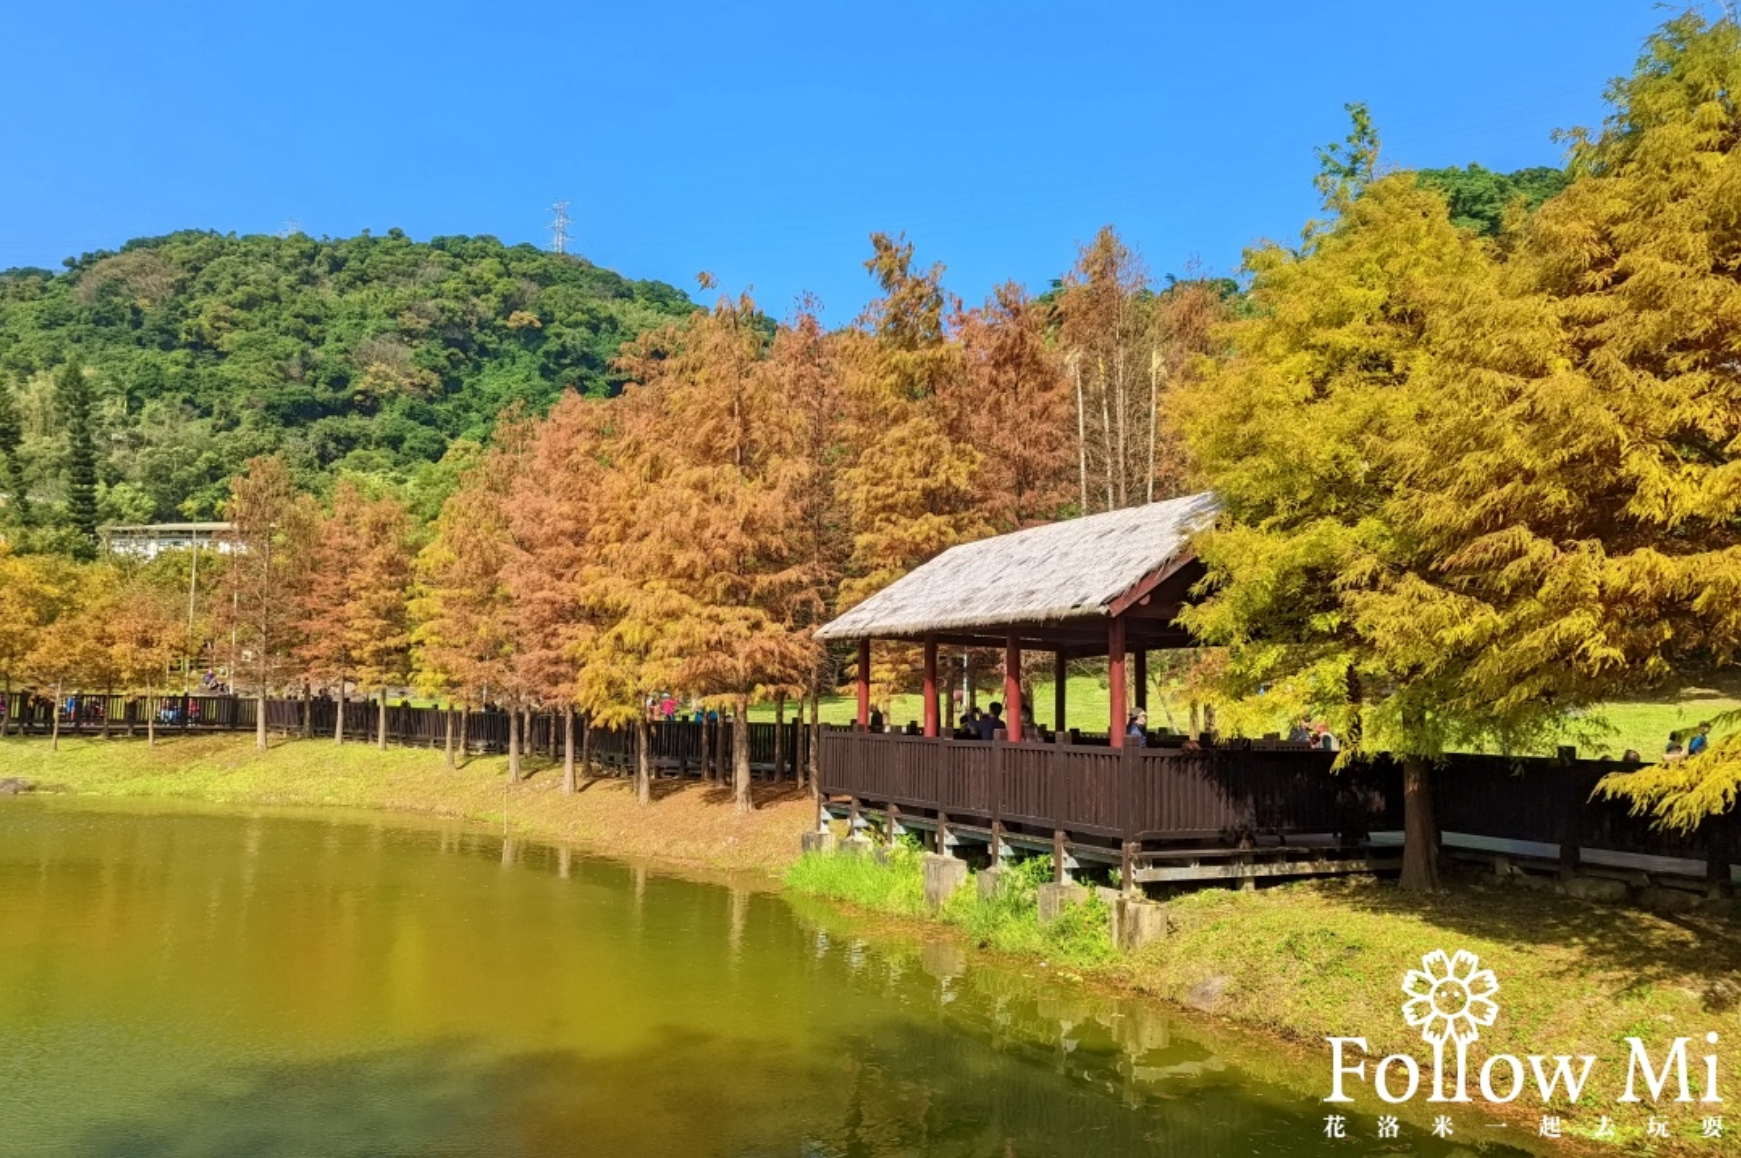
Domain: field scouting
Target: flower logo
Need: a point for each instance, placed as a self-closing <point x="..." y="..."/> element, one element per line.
<point x="1449" y="996"/>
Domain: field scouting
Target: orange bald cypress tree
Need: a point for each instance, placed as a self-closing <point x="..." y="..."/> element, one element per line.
<point x="148" y="633"/>
<point x="551" y="518"/>
<point x="270" y="529"/>
<point x="624" y="598"/>
<point x="376" y="618"/>
<point x="1014" y="396"/>
<point x="720" y="539"/>
<point x="805" y="368"/>
<point x="325" y="652"/>
<point x="911" y="486"/>
<point x="465" y="632"/>
<point x="911" y="482"/>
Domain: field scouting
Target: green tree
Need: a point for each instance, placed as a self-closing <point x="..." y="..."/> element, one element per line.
<point x="14" y="497"/>
<point x="361" y="356"/>
<point x="1479" y="199"/>
<point x="77" y="412"/>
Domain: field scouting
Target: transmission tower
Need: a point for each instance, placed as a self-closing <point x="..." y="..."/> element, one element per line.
<point x="559" y="227"/>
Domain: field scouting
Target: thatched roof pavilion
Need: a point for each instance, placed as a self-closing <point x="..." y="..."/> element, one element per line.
<point x="1106" y="584"/>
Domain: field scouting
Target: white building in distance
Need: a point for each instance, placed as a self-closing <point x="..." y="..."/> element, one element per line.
<point x="148" y="540"/>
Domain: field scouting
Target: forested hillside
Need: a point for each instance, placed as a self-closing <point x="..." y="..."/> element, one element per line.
<point x="1479" y="198"/>
<point x="135" y="384"/>
<point x="364" y="355"/>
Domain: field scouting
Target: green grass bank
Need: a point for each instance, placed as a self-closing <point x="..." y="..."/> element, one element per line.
<point x="1311" y="960"/>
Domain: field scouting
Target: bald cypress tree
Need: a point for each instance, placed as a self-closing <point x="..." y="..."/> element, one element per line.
<point x="1577" y="465"/>
<point x="1294" y="433"/>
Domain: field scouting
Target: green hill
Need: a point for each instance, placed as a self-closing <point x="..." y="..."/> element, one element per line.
<point x="366" y="355"/>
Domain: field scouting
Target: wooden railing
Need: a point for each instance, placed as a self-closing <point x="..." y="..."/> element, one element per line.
<point x="1160" y="795"/>
<point x="1128" y="794"/>
<point x="81" y="714"/>
<point x="677" y="746"/>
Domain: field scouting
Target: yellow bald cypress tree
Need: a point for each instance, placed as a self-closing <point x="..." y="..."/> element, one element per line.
<point x="1294" y="431"/>
<point x="1577" y="473"/>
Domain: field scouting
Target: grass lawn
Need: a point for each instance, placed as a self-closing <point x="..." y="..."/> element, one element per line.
<point x="688" y="823"/>
<point x="1311" y="960"/>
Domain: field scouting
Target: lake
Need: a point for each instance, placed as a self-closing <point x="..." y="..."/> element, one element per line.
<point x="198" y="983"/>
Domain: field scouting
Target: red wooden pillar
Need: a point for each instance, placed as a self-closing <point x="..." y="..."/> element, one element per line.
<point x="1059" y="671"/>
<point x="863" y="684"/>
<point x="1142" y="679"/>
<point x="930" y="686"/>
<point x="1012" y="687"/>
<point x="1115" y="677"/>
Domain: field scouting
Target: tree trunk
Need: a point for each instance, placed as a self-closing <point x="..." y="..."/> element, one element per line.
<point x="338" y="724"/>
<point x="815" y="740"/>
<point x="108" y="704"/>
<point x="1123" y="433"/>
<point x="586" y="746"/>
<point x="1154" y="416"/>
<point x="643" y="761"/>
<point x="1081" y="429"/>
<point x="513" y="745"/>
<point x="1351" y="680"/>
<point x="740" y="754"/>
<point x="307" y="710"/>
<point x="54" y="719"/>
<point x="568" y="749"/>
<point x="150" y="717"/>
<point x="1420" y="848"/>
<point x="465" y="719"/>
<point x="1106" y="435"/>
<point x="706" y="749"/>
<point x="800" y="743"/>
<point x="260" y="718"/>
<point x="6" y="713"/>
<point x="381" y="722"/>
<point x="779" y="737"/>
<point x="448" y="743"/>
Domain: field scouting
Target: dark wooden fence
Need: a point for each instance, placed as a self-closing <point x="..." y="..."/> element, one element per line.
<point x="1083" y="787"/>
<point x="1156" y="796"/>
<point x="116" y="714"/>
<point x="677" y="746"/>
<point x="1122" y="794"/>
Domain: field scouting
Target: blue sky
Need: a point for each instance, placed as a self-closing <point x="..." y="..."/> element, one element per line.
<point x="764" y="141"/>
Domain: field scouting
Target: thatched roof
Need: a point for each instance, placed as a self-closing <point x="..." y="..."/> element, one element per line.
<point x="1063" y="571"/>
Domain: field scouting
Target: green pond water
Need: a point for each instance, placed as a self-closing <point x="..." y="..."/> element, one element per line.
<point x="203" y="984"/>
